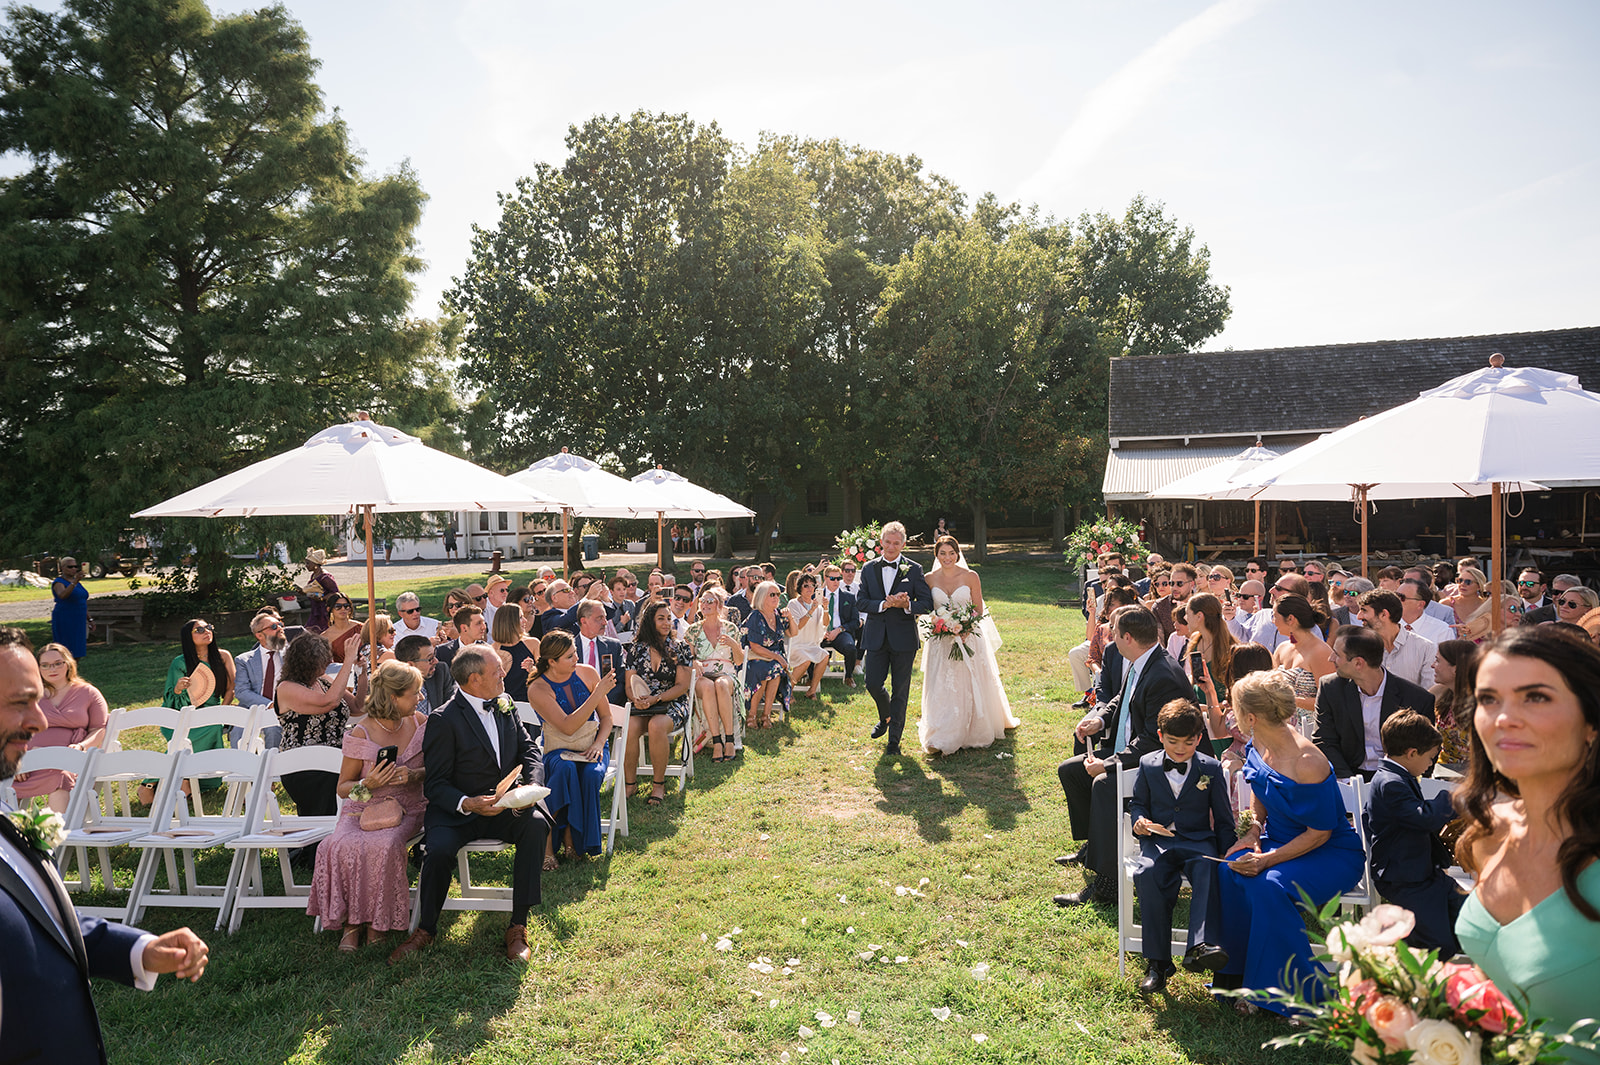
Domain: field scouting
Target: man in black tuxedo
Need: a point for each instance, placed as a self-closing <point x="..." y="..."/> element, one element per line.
<point x="1353" y="704"/>
<point x="472" y="742"/>
<point x="844" y="620"/>
<point x="1126" y="730"/>
<point x="48" y="952"/>
<point x="893" y="593"/>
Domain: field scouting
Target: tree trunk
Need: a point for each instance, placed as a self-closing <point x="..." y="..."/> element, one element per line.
<point x="980" y="532"/>
<point x="852" y="501"/>
<point x="575" y="544"/>
<point x="211" y="572"/>
<point x="768" y="522"/>
<point x="724" y="547"/>
<point x="1058" y="528"/>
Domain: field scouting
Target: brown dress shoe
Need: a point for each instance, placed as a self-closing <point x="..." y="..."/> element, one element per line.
<point x="517" y="943"/>
<point x="413" y="943"/>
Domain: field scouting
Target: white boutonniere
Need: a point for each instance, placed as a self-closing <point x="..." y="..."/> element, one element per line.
<point x="905" y="568"/>
<point x="504" y="705"/>
<point x="41" y="827"/>
<point x="1203" y="783"/>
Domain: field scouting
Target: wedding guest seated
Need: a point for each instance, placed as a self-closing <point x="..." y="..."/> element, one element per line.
<point x="1408" y="857"/>
<point x="1304" y="656"/>
<point x="1452" y="701"/>
<point x="198" y="640"/>
<point x="570" y="698"/>
<point x="313" y="709"/>
<point x="362" y="877"/>
<point x="1300" y="843"/>
<point x="470" y="629"/>
<point x="842" y="620"/>
<point x="1533" y="922"/>
<point x="1352" y="706"/>
<point x="342" y="628"/>
<point x="766" y="677"/>
<point x="561" y="608"/>
<point x="1572" y="604"/>
<point x="659" y="667"/>
<point x="1405" y="654"/>
<point x="718" y="654"/>
<point x="518" y="652"/>
<point x="472" y="744"/>
<point x="75" y="716"/>
<point x="412" y="621"/>
<point x="1183" y="820"/>
<point x="807" y="626"/>
<point x="454" y="600"/>
<point x="622" y="605"/>
<point x="598" y="651"/>
<point x="437" y="688"/>
<point x="377" y="643"/>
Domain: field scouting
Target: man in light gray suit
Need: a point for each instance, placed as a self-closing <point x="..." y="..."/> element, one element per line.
<point x="257" y="671"/>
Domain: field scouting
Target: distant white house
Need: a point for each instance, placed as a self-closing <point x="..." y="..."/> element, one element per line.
<point x="478" y="535"/>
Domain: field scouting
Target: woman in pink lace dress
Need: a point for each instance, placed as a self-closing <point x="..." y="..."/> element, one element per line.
<point x="361" y="876"/>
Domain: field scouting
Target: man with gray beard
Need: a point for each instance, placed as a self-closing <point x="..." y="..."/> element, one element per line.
<point x="257" y="671"/>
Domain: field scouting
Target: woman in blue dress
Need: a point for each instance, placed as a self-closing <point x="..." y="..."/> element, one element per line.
<point x="1300" y="842"/>
<point x="69" y="618"/>
<point x="766" y="675"/>
<point x="567" y="695"/>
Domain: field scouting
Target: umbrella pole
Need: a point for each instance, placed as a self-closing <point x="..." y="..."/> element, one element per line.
<point x="371" y="583"/>
<point x="1361" y="498"/>
<point x="661" y="545"/>
<point x="566" y="545"/>
<point x="1256" y="551"/>
<point x="1496" y="558"/>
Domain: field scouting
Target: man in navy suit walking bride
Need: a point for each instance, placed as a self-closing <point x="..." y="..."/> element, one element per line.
<point x="893" y="593"/>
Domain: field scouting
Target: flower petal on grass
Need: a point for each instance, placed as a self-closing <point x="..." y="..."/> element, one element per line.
<point x="853" y="1017"/>
<point x="763" y="837"/>
<point x="980" y="971"/>
<point x="806" y="1033"/>
<point x="866" y="955"/>
<point x="940" y="1013"/>
<point x="724" y="944"/>
<point x="901" y="959"/>
<point x="979" y="1037"/>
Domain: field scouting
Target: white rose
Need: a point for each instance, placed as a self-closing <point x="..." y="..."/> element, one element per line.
<point x="52" y="831"/>
<point x="1345" y="941"/>
<point x="1442" y="1043"/>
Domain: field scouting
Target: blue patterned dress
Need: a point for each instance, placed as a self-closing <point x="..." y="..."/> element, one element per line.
<point x="757" y="633"/>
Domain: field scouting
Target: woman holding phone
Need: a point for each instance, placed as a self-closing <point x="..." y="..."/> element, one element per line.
<point x="361" y="877"/>
<point x="570" y="698"/>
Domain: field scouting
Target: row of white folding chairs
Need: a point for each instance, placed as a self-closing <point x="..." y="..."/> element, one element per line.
<point x="252" y="721"/>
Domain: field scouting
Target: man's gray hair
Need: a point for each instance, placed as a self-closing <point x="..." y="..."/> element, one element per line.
<point x="406" y="597"/>
<point x="471" y="660"/>
<point x="590" y="607"/>
<point x="1357" y="586"/>
<point x="1567" y="580"/>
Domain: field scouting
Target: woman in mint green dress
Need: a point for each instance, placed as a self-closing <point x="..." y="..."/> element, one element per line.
<point x="1531" y="799"/>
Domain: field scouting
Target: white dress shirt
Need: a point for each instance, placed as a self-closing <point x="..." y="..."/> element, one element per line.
<point x="1412" y="658"/>
<point x="1430" y="627"/>
<point x="486" y="719"/>
<point x="426" y="626"/>
<point x="890" y="572"/>
<point x="1372" y="724"/>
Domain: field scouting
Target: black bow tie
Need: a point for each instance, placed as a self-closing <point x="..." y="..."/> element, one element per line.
<point x="1168" y="765"/>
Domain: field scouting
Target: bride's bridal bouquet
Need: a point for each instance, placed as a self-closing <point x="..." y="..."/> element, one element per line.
<point x="1392" y="1004"/>
<point x="955" y="622"/>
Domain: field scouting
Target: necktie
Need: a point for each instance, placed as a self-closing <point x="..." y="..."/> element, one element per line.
<point x="833" y="610"/>
<point x="594" y="659"/>
<point x="1123" y="716"/>
<point x="1168" y="766"/>
<point x="269" y="679"/>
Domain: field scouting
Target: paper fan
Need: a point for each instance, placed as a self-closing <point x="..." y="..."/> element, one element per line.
<point x="202" y="682"/>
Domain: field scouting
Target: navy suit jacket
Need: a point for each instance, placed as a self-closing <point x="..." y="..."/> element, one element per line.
<point x="607" y="646"/>
<point x="1403" y="827"/>
<point x="46" y="1010"/>
<point x="1200" y="815"/>
<point x="895" y="629"/>
<point x="460" y="762"/>
<point x="849" y="613"/>
<point x="1341" y="733"/>
<point x="1162" y="681"/>
<point x="553" y="619"/>
<point x="741" y="603"/>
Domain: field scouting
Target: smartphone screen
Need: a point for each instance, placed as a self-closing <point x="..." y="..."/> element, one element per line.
<point x="387" y="755"/>
<point x="605" y="664"/>
<point x="1197" y="665"/>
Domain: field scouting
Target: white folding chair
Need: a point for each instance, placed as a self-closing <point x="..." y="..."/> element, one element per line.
<point x="1130" y="933"/>
<point x="94" y="822"/>
<point x="229" y="717"/>
<point x="178" y="829"/>
<point x="1432" y="786"/>
<point x="618" y="821"/>
<point x="81" y="765"/>
<point x="267" y="827"/>
<point x="1353" y="790"/>
<point x="119" y="790"/>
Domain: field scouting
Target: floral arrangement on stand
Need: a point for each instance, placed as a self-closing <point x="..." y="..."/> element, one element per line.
<point x="1117" y="534"/>
<point x="953" y="622"/>
<point x="1393" y="1005"/>
<point x="859" y="545"/>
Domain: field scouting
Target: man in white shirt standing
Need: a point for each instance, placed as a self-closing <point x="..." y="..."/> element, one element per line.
<point x="1408" y="655"/>
<point x="1245" y="606"/>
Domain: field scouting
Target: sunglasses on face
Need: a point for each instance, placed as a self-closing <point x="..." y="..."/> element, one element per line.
<point x="684" y="598"/>
<point x="412" y="610"/>
<point x="343" y="606"/>
<point x="1251" y="597"/>
<point x="1570" y="604"/>
<point x="833" y="578"/>
<point x="1214" y="577"/>
<point x="479" y="598"/>
<point x="1527" y="584"/>
<point x="198" y="629"/>
<point x="272" y="627"/>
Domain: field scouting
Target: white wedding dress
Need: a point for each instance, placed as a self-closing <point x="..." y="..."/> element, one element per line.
<point x="963" y="702"/>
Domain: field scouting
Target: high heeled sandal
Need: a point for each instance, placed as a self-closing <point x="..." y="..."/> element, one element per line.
<point x="351" y="940"/>
<point x="724" y="742"/>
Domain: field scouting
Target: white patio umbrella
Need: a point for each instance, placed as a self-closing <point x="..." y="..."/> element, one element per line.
<point x="670" y="495"/>
<point x="1487" y="432"/>
<point x="1222" y="480"/>
<point x="358" y="467"/>
<point x="590" y="491"/>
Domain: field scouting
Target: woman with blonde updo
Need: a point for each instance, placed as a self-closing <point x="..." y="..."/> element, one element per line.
<point x="361" y="876"/>
<point x="1300" y="841"/>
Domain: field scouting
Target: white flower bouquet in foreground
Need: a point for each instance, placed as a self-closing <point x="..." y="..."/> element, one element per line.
<point x="1397" y="1005"/>
<point x="40" y="826"/>
<point x="954" y="622"/>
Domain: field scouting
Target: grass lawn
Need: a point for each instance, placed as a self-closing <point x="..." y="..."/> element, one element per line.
<point x="799" y="846"/>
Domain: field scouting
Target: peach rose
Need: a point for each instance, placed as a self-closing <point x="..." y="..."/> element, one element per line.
<point x="1391" y="1019"/>
<point x="1467" y="988"/>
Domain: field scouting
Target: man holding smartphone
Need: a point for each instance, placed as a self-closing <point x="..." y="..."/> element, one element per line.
<point x="596" y="650"/>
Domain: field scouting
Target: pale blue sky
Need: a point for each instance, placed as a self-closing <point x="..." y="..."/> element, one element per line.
<point x="1361" y="170"/>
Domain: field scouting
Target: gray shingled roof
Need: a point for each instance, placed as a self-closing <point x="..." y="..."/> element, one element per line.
<point x="1328" y="386"/>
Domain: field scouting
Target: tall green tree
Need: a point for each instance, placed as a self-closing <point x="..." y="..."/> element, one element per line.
<point x="193" y="271"/>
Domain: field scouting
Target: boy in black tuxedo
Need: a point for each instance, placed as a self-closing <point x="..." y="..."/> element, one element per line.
<point x="1408" y="857"/>
<point x="1183" y="820"/>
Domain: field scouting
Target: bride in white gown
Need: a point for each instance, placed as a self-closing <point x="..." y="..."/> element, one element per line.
<point x="963" y="701"/>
